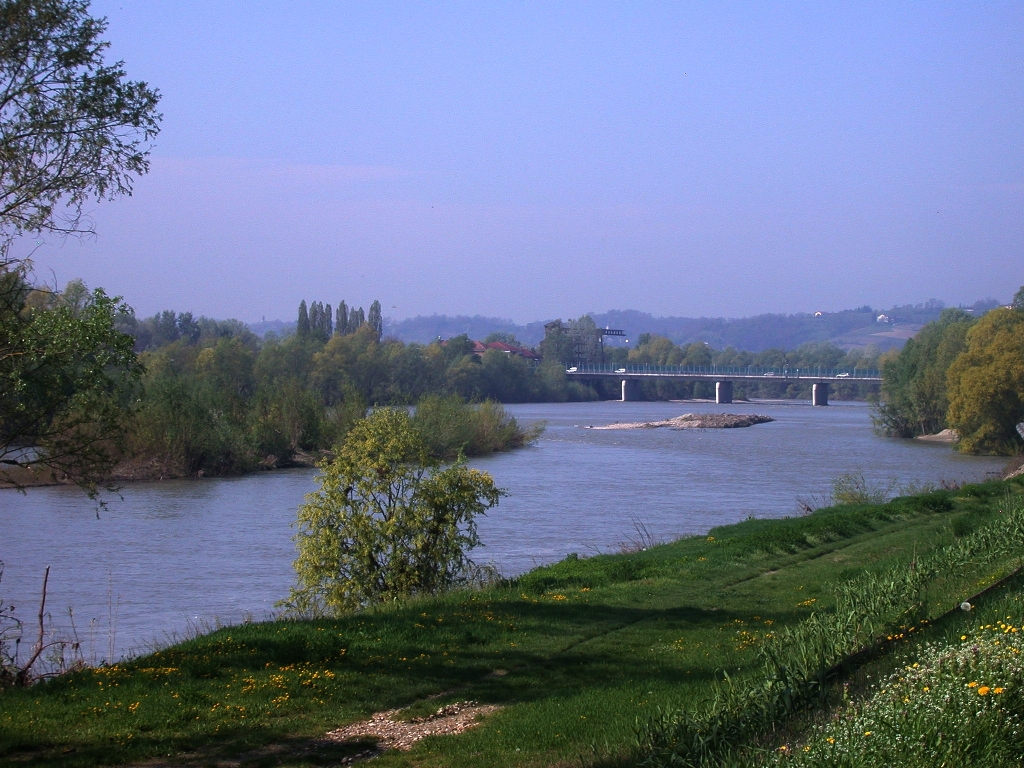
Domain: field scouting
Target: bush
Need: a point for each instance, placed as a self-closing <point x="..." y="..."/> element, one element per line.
<point x="451" y="427"/>
<point x="387" y="522"/>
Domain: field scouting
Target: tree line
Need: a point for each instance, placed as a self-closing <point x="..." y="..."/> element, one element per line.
<point x="960" y="372"/>
<point x="216" y="399"/>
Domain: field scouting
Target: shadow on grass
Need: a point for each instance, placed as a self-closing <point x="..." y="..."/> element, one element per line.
<point x="573" y="646"/>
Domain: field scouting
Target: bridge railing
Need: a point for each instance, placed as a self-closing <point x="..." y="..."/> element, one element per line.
<point x="726" y="371"/>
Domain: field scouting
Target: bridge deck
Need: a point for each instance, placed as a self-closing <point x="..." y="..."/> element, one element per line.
<point x="720" y="373"/>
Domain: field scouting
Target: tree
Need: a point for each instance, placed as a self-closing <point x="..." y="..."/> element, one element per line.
<point x="341" y="319"/>
<point x="72" y="128"/>
<point x="506" y="338"/>
<point x="302" y="326"/>
<point x="1018" y="299"/>
<point x="375" y="318"/>
<point x="986" y="384"/>
<point x="915" y="400"/>
<point x="356" y="318"/>
<point x="387" y="521"/>
<point x="67" y="381"/>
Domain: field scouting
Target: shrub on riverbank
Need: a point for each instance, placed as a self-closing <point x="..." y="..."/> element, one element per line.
<point x="451" y="427"/>
<point x="387" y="522"/>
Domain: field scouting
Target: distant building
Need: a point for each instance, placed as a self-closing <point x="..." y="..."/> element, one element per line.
<point x="509" y="349"/>
<point x="479" y="348"/>
<point x="883" y="319"/>
<point x="817" y="314"/>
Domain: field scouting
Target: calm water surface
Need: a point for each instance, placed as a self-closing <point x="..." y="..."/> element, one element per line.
<point x="188" y="551"/>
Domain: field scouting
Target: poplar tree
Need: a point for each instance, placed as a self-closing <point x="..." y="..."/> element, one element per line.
<point x="302" y="327"/>
<point x="341" y="319"/>
<point x="356" y="318"/>
<point x="375" y="319"/>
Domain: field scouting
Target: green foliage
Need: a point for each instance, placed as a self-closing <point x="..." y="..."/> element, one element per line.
<point x="387" y="522"/>
<point x="67" y="381"/>
<point x="914" y="381"/>
<point x="450" y="427"/>
<point x="986" y="385"/>
<point x="72" y="128"/>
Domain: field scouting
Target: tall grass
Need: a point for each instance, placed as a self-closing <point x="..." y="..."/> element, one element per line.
<point x="955" y="702"/>
<point x="799" y="662"/>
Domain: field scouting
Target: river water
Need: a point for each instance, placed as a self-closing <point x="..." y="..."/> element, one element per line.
<point x="178" y="554"/>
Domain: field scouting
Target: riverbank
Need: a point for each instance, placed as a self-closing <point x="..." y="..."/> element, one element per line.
<point x="571" y="656"/>
<point x="450" y="428"/>
<point x="149" y="470"/>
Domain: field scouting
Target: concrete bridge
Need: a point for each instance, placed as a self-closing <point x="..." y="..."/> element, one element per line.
<point x="724" y="377"/>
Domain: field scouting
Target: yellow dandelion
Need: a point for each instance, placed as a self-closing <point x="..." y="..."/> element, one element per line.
<point x="867" y="733"/>
<point x="983" y="691"/>
<point x="998" y="690"/>
<point x="972" y="684"/>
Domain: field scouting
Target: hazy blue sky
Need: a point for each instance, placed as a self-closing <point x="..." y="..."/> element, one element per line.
<point x="534" y="160"/>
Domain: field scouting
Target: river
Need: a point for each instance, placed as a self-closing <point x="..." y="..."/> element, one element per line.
<point x="176" y="555"/>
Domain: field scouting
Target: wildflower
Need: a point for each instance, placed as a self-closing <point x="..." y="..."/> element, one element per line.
<point x="965" y="606"/>
<point x="867" y="733"/>
<point x="972" y="684"/>
<point x="983" y="691"/>
<point x="998" y="690"/>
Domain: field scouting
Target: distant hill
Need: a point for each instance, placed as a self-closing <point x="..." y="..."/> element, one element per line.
<point x="849" y="329"/>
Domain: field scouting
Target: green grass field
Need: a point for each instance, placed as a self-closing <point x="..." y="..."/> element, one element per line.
<point x="578" y="654"/>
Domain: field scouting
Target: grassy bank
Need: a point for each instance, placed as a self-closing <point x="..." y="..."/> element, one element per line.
<point x="577" y="654"/>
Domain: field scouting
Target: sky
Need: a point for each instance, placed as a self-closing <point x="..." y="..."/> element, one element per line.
<point x="541" y="160"/>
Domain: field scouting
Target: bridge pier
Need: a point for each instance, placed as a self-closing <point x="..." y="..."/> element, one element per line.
<point x="819" y="393"/>
<point x="630" y="390"/>
<point x="723" y="392"/>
